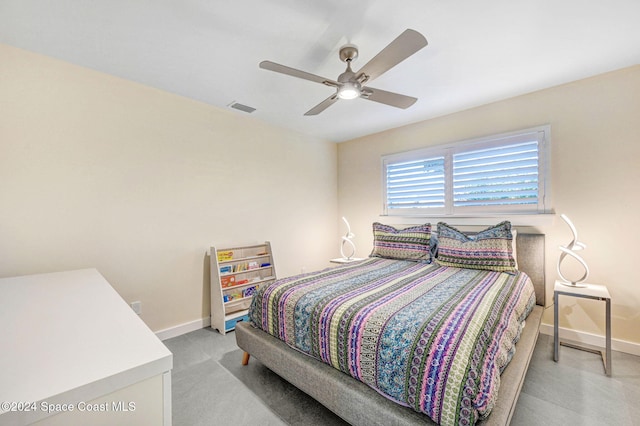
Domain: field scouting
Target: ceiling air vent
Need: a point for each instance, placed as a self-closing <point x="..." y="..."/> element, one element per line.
<point x="241" y="107"/>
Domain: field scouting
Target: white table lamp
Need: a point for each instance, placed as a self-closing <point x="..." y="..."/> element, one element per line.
<point x="347" y="240"/>
<point x="569" y="250"/>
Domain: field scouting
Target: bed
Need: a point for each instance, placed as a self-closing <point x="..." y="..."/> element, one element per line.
<point x="360" y="404"/>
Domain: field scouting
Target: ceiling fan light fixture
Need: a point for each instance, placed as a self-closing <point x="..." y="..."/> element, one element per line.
<point x="350" y="85"/>
<point x="349" y="90"/>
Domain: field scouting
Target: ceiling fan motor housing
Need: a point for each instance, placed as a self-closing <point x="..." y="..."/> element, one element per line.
<point x="348" y="52"/>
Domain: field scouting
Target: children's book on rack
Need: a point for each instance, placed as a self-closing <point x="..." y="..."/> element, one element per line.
<point x="224" y="256"/>
<point x="228" y="281"/>
<point x="240" y="267"/>
<point x="249" y="291"/>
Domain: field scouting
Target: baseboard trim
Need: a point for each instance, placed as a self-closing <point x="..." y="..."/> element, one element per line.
<point x="185" y="328"/>
<point x="592" y="339"/>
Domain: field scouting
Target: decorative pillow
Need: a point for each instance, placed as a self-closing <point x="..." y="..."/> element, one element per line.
<point x="490" y="249"/>
<point x="402" y="244"/>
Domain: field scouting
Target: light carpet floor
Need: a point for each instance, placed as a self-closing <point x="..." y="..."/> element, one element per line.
<point x="211" y="387"/>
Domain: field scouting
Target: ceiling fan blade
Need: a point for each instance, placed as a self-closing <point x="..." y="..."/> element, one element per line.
<point x="405" y="45"/>
<point x="323" y="105"/>
<point x="272" y="66"/>
<point x="388" y="98"/>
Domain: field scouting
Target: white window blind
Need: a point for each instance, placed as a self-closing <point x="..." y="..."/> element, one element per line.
<point x="499" y="174"/>
<point x="416" y="184"/>
<point x="505" y="175"/>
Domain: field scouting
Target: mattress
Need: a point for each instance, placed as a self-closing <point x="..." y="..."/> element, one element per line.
<point x="429" y="337"/>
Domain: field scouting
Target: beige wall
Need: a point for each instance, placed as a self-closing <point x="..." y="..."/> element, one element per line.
<point x="97" y="171"/>
<point x="595" y="131"/>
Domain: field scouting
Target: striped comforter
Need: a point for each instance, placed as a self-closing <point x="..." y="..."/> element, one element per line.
<point x="429" y="337"/>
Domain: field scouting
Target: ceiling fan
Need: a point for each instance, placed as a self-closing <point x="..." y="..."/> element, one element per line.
<point x="350" y="85"/>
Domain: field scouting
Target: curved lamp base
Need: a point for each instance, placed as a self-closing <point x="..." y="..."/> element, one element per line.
<point x="347" y="239"/>
<point x="353" y="248"/>
<point x="564" y="280"/>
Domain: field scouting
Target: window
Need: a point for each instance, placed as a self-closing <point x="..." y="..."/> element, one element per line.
<point x="499" y="174"/>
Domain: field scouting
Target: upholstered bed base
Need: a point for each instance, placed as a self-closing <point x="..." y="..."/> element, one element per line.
<point x="357" y="403"/>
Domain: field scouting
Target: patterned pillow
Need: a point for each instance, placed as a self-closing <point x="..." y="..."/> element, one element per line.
<point x="403" y="244"/>
<point x="490" y="249"/>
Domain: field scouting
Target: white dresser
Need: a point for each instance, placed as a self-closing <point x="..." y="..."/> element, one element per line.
<point x="72" y="351"/>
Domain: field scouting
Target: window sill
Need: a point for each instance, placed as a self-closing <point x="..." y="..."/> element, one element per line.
<point x="517" y="220"/>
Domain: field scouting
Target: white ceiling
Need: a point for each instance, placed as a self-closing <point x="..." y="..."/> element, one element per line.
<point x="209" y="50"/>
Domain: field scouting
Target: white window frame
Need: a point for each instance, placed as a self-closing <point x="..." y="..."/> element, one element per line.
<point x="543" y="135"/>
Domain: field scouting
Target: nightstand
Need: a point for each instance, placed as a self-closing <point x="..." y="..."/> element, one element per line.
<point x="587" y="291"/>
